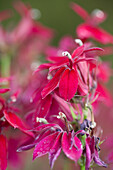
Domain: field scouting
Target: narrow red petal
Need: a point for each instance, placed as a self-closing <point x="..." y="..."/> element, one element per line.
<point x="68" y="84"/>
<point x="44" y="146"/>
<point x="71" y="151"/>
<point x="80" y="11"/>
<point x="45" y="126"/>
<point x="104" y="95"/>
<point x="52" y="83"/>
<point x="44" y="106"/>
<point x="4" y="90"/>
<point x="55" y="150"/>
<point x="17" y="122"/>
<point x="43" y="67"/>
<point x="78" y="51"/>
<point x="3" y="153"/>
<point x="88" y="154"/>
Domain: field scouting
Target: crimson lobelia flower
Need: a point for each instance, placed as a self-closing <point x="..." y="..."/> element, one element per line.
<point x="65" y="73"/>
<point x="52" y="139"/>
<point x="9" y="118"/>
<point x="90" y="29"/>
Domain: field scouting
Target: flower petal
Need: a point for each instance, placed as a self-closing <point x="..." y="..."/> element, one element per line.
<point x="80" y="11"/>
<point x="3" y="153"/>
<point x="44" y="106"/>
<point x="55" y="150"/>
<point x="4" y="90"/>
<point x="71" y="152"/>
<point x="88" y="31"/>
<point x="78" y="51"/>
<point x="98" y="161"/>
<point x="52" y="83"/>
<point x="68" y="84"/>
<point x="44" y="146"/>
<point x="88" y="154"/>
<point x="45" y="126"/>
<point x="17" y="122"/>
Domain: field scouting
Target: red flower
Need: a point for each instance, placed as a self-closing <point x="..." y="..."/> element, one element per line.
<point x="89" y="29"/>
<point x="51" y="140"/>
<point x="9" y="118"/>
<point x="66" y="74"/>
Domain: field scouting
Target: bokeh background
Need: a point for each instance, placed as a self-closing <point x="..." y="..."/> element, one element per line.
<point x="58" y="15"/>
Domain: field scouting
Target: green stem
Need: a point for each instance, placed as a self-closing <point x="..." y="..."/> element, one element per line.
<point x="82" y="167"/>
<point x="5" y="65"/>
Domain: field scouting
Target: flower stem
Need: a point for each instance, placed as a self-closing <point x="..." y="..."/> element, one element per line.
<point x="5" y="65"/>
<point x="82" y="167"/>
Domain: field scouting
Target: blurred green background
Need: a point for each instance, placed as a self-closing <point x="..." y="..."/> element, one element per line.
<point x="58" y="15"/>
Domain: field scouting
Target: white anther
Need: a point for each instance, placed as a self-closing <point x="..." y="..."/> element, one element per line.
<point x="93" y="125"/>
<point x="35" y="13"/>
<point x="78" y="41"/>
<point x="49" y="77"/>
<point x="98" y="13"/>
<point x="61" y="116"/>
<point x="66" y="53"/>
<point x="41" y="120"/>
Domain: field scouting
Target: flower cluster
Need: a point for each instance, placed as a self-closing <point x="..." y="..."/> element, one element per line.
<point x="55" y="103"/>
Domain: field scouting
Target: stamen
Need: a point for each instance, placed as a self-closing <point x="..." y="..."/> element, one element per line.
<point x="41" y="120"/>
<point x="93" y="125"/>
<point x="35" y="13"/>
<point x="61" y="116"/>
<point x="49" y="77"/>
<point x="98" y="13"/>
<point x="66" y="53"/>
<point x="78" y="41"/>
